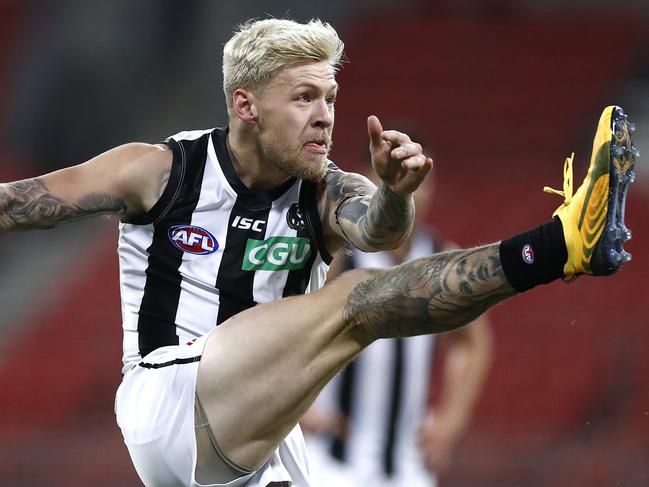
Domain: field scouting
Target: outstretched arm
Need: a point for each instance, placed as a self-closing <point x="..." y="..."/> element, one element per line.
<point x="126" y="180"/>
<point x="371" y="218"/>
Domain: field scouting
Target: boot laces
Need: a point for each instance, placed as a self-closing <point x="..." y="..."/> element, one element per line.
<point x="567" y="182"/>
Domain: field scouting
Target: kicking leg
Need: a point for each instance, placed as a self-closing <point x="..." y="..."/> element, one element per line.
<point x="262" y="369"/>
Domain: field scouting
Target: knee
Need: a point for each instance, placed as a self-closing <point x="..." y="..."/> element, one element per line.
<point x="354" y="289"/>
<point x="347" y="284"/>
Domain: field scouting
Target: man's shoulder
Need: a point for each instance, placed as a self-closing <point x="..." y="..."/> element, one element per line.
<point x="194" y="134"/>
<point x="340" y="183"/>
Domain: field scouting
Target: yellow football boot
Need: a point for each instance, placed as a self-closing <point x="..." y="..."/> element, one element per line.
<point x="593" y="218"/>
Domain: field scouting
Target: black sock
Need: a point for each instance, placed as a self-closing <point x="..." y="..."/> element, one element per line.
<point x="534" y="257"/>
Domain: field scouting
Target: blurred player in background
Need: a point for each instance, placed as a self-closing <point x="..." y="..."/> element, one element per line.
<point x="372" y="425"/>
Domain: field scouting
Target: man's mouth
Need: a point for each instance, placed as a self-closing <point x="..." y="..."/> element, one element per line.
<point x="319" y="146"/>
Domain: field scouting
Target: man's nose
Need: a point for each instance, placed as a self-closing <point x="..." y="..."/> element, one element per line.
<point x="324" y="114"/>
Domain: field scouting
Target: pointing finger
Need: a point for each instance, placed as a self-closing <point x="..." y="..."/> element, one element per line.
<point x="374" y="130"/>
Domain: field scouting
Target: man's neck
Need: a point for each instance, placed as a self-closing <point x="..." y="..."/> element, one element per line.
<point x="255" y="172"/>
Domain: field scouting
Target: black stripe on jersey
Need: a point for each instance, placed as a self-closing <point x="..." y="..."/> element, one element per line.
<point x="395" y="409"/>
<point x="235" y="285"/>
<point x="178" y="361"/>
<point x="156" y="324"/>
<point x="338" y="448"/>
<point x="312" y="217"/>
<point x="298" y="279"/>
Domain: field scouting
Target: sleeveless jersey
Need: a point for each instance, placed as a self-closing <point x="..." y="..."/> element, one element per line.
<point x="211" y="247"/>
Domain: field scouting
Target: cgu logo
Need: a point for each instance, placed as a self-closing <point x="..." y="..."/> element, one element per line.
<point x="193" y="240"/>
<point x="276" y="254"/>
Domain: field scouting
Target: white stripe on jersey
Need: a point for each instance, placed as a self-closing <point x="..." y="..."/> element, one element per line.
<point x="132" y="249"/>
<point x="268" y="285"/>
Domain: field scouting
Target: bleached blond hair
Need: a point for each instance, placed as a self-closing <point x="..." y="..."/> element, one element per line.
<point x="260" y="48"/>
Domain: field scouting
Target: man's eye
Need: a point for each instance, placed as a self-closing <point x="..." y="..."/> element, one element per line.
<point x="331" y="100"/>
<point x="304" y="98"/>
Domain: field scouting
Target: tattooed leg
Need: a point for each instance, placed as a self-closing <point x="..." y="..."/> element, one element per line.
<point x="306" y="340"/>
<point x="28" y="204"/>
<point x="429" y="295"/>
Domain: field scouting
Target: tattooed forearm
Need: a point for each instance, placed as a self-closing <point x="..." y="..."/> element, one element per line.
<point x="28" y="204"/>
<point x="377" y="221"/>
<point x="429" y="295"/>
<point x="388" y="220"/>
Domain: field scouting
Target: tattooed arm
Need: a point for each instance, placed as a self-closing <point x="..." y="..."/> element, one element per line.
<point x="126" y="180"/>
<point x="378" y="219"/>
<point x="29" y="204"/>
<point x="358" y="213"/>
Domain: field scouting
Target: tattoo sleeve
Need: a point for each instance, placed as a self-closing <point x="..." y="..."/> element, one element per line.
<point x="429" y="295"/>
<point x="377" y="221"/>
<point x="28" y="204"/>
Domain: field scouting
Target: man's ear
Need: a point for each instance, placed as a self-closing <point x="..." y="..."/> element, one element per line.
<point x="243" y="104"/>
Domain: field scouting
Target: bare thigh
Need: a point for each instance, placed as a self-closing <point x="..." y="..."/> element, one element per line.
<point x="263" y="368"/>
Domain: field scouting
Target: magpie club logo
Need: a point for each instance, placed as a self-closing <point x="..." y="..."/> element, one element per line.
<point x="193" y="240"/>
<point x="528" y="254"/>
<point x="295" y="218"/>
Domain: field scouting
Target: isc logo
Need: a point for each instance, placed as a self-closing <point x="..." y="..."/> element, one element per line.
<point x="193" y="240"/>
<point x="246" y="223"/>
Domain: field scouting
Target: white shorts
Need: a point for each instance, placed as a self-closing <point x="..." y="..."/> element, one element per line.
<point x="155" y="411"/>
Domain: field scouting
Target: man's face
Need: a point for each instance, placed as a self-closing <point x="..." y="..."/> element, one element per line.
<point x="296" y="118"/>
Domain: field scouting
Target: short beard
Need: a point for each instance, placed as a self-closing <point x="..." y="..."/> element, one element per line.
<point x="292" y="167"/>
<point x="297" y="170"/>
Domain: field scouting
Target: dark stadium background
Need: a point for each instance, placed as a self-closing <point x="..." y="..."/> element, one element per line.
<point x="501" y="91"/>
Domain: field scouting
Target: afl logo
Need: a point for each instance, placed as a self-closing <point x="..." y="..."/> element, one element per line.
<point x="193" y="240"/>
<point x="528" y="254"/>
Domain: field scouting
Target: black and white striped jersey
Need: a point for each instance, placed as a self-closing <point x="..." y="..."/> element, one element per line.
<point x="211" y="247"/>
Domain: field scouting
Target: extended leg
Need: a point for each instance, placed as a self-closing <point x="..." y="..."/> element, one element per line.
<point x="262" y="369"/>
